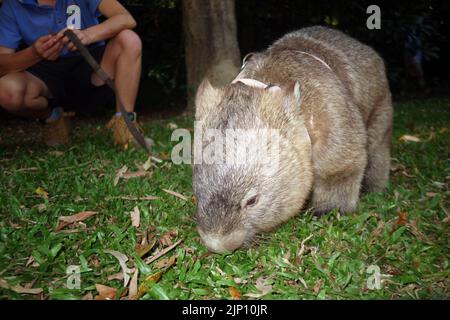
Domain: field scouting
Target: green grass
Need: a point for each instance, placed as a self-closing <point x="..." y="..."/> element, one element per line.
<point x="413" y="258"/>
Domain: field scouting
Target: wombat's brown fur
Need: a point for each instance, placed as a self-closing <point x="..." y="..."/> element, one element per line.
<point x="336" y="133"/>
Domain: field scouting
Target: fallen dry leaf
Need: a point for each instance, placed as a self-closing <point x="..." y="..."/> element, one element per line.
<point x="318" y="286"/>
<point x="142" y="250"/>
<point x="19" y="289"/>
<point x="235" y="293"/>
<point x="406" y="174"/>
<point x="78" y="198"/>
<point x="222" y="273"/>
<point x="172" y="126"/>
<point x="135" y="174"/>
<point x="262" y="287"/>
<point x="414" y="229"/>
<point x="116" y="276"/>
<point x="56" y="153"/>
<point x="379" y="229"/>
<point x="303" y="282"/>
<point x="298" y="256"/>
<point x="15" y="225"/>
<point x="120" y="174"/>
<point x="71" y="231"/>
<point x="88" y="296"/>
<point x="176" y="194"/>
<point x="239" y="281"/>
<point x="105" y="292"/>
<point x="155" y="277"/>
<point x="94" y="261"/>
<point x="133" y="287"/>
<point x="27" y="169"/>
<point x="41" y="207"/>
<point x="41" y="192"/>
<point x="143" y="238"/>
<point x="440" y="185"/>
<point x="144" y="286"/>
<point x="29" y="261"/>
<point x="158" y="255"/>
<point x="203" y="256"/>
<point x="410" y="138"/>
<point x="64" y="221"/>
<point x="134" y="198"/>
<point x="166" y="262"/>
<point x="147" y="164"/>
<point x="123" y="264"/>
<point x="166" y="238"/>
<point x="164" y="156"/>
<point x="431" y="194"/>
<point x="157" y="159"/>
<point x="135" y="217"/>
<point x="139" y="166"/>
<point x="397" y="167"/>
<point x="402" y="219"/>
<point x="287" y="256"/>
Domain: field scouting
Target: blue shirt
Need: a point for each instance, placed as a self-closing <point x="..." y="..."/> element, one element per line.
<point x="26" y="20"/>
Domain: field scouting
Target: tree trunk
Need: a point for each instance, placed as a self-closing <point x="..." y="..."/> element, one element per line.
<point x="211" y="44"/>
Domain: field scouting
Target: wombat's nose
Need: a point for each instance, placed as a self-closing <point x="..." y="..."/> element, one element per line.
<point x="223" y="243"/>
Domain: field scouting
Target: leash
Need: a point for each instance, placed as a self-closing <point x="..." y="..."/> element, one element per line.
<point x="105" y="78"/>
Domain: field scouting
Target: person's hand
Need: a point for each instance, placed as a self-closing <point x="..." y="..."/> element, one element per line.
<point x="48" y="47"/>
<point x="83" y="35"/>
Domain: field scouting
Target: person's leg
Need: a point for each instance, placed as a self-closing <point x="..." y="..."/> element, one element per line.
<point x="24" y="94"/>
<point x="122" y="62"/>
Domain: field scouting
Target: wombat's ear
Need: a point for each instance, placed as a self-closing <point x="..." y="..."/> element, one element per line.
<point x="207" y="97"/>
<point x="246" y="59"/>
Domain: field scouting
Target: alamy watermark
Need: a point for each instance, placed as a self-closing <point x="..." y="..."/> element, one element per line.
<point x="374" y="20"/>
<point x="374" y="279"/>
<point x="234" y="147"/>
<point x="74" y="277"/>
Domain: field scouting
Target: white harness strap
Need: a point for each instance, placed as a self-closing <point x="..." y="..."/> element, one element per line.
<point x="257" y="84"/>
<point x="251" y="83"/>
<point x="318" y="59"/>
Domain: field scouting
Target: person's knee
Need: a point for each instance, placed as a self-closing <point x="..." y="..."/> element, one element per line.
<point x="12" y="95"/>
<point x="130" y="42"/>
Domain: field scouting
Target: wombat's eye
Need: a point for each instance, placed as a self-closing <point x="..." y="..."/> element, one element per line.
<point x="252" y="201"/>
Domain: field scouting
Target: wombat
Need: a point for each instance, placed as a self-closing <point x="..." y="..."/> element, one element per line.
<point x="328" y="96"/>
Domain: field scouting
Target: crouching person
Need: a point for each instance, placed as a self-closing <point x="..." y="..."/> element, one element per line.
<point x="48" y="72"/>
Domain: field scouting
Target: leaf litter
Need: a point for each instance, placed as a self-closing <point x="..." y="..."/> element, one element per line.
<point x="64" y="221"/>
